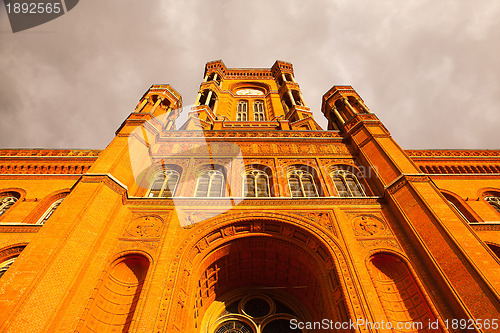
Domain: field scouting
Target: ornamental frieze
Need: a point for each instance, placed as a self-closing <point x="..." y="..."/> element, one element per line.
<point x="249" y="134"/>
<point x="128" y="245"/>
<point x="324" y="219"/>
<point x="20" y="228"/>
<point x="379" y="243"/>
<point x="12" y="251"/>
<point x="227" y="149"/>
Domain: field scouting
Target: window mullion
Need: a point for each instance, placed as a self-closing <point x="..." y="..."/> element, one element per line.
<point x="349" y="192"/>
<point x="211" y="177"/>
<point x="302" y="187"/>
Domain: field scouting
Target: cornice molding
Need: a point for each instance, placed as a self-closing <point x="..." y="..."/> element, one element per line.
<point x="7" y="227"/>
<point x="49" y="153"/>
<point x="485" y="226"/>
<point x="39" y="176"/>
<point x="277" y="201"/>
<point x="107" y="179"/>
<point x="249" y="134"/>
<point x="453" y="153"/>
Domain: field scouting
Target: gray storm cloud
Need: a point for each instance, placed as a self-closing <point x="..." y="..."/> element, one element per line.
<point x="429" y="70"/>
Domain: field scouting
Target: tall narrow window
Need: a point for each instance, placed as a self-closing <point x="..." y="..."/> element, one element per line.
<point x="4" y="266"/>
<point x="256" y="184"/>
<point x="302" y="184"/>
<point x="459" y="207"/>
<point x="164" y="184"/>
<point x="347" y="184"/>
<point x="6" y="202"/>
<point x="458" y="210"/>
<point x="242" y="114"/>
<point x="495" y="202"/>
<point x="210" y="184"/>
<point x="258" y="111"/>
<point x="49" y="211"/>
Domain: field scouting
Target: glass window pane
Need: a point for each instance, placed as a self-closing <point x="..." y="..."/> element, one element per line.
<point x="495" y="202"/>
<point x="202" y="188"/>
<point x="5" y="265"/>
<point x="51" y="211"/>
<point x="242" y="111"/>
<point x="6" y="203"/>
<point x="262" y="187"/>
<point x="340" y="186"/>
<point x="258" y="110"/>
<point x="170" y="185"/>
<point x="295" y="189"/>
<point x="249" y="186"/>
<point x="216" y="186"/>
<point x="309" y="188"/>
<point x="354" y="187"/>
<point x="157" y="185"/>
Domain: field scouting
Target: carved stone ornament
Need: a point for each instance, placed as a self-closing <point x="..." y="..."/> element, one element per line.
<point x="366" y="225"/>
<point x="145" y="226"/>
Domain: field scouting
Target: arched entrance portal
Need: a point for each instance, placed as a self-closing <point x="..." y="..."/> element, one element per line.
<point x="263" y="265"/>
<point x="283" y="258"/>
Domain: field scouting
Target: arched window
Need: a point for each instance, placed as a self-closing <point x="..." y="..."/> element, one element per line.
<point x="301" y="184"/>
<point x="347" y="184"/>
<point x="494" y="201"/>
<point x="164" y="184"/>
<point x="459" y="207"/>
<point x="6" y="201"/>
<point x="210" y="184"/>
<point x="256" y="184"/>
<point x="4" y="266"/>
<point x="49" y="211"/>
<point x="458" y="210"/>
<point x="258" y="111"/>
<point x="242" y="114"/>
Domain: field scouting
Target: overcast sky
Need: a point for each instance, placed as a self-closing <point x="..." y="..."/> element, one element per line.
<point x="430" y="70"/>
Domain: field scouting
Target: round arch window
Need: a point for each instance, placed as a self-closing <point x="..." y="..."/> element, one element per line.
<point x="256" y="312"/>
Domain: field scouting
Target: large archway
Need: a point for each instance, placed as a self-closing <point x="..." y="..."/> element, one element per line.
<point x="259" y="254"/>
<point x="265" y="264"/>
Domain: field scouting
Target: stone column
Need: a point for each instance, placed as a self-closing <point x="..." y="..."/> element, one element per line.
<point x="198" y="99"/>
<point x="209" y="96"/>
<point x="142" y="105"/>
<point x="291" y="97"/>
<point x="346" y="103"/>
<point x="337" y="114"/>
<point x="158" y="101"/>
